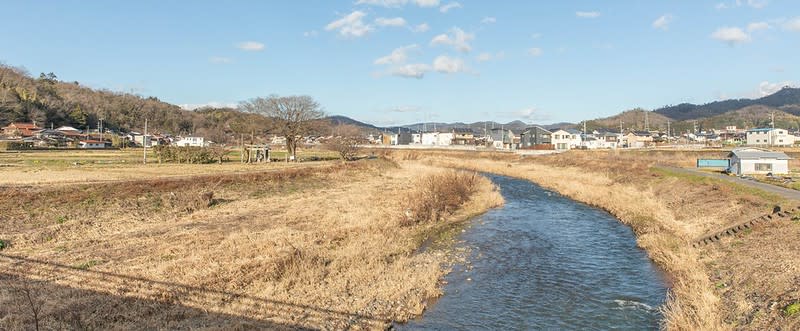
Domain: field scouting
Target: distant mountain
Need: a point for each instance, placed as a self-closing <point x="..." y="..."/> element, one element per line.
<point x="344" y="120"/>
<point x="476" y="126"/>
<point x="787" y="98"/>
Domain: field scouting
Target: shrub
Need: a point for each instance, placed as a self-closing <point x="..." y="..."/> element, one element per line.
<point x="4" y="244"/>
<point x="792" y="309"/>
<point x="439" y="195"/>
<point x="187" y="154"/>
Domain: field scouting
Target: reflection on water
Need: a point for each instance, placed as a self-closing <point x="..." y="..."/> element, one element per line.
<point x="543" y="261"/>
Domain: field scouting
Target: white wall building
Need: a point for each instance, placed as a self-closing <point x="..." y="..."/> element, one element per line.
<point x="758" y="161"/>
<point x="769" y="137"/>
<point x="566" y="140"/>
<point x="191" y="142"/>
<point x="437" y="138"/>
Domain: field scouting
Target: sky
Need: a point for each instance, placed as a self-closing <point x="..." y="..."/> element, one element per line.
<point x="390" y="62"/>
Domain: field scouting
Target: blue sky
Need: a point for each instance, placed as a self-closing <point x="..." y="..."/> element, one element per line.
<point x="401" y="61"/>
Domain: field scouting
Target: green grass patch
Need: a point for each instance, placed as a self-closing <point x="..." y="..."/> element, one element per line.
<point x="792" y="309"/>
<point x="4" y="244"/>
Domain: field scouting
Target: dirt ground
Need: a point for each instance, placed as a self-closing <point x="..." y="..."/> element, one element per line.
<point x="322" y="247"/>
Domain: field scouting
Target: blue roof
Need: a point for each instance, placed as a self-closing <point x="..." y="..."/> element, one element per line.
<point x="760" y="130"/>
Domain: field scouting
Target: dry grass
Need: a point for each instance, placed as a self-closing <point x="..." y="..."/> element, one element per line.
<point x="666" y="212"/>
<point x="323" y="247"/>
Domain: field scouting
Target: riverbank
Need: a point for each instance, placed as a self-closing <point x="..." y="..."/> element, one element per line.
<point x="327" y="247"/>
<point x="713" y="288"/>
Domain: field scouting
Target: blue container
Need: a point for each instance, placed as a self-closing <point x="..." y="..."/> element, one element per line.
<point x="713" y="163"/>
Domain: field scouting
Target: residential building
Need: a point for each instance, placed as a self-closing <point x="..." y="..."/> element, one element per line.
<point x="750" y="161"/>
<point x="501" y="139"/>
<point x="92" y="144"/>
<point x="636" y="139"/>
<point x="437" y="138"/>
<point x="566" y="139"/>
<point x="536" y="137"/>
<point x="769" y="137"/>
<point x="463" y="136"/>
<point x="191" y="142"/>
<point x="21" y="130"/>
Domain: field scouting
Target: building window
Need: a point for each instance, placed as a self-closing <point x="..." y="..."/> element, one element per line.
<point x="763" y="166"/>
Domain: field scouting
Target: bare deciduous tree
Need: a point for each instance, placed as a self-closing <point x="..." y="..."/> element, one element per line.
<point x="293" y="116"/>
<point x="346" y="140"/>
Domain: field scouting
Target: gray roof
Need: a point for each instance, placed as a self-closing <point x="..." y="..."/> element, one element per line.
<point x="757" y="154"/>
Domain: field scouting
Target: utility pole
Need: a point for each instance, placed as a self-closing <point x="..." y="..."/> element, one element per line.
<point x="144" y="142"/>
<point x="584" y="127"/>
<point x="669" y="132"/>
<point x="646" y="122"/>
<point x="620" y="127"/>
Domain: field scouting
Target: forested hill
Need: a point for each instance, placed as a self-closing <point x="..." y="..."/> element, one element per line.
<point x="787" y="100"/>
<point x="49" y="101"/>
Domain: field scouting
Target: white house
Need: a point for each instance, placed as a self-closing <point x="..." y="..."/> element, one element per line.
<point x="192" y="142"/>
<point x="92" y="144"/>
<point x="753" y="161"/>
<point x="769" y="137"/>
<point x="437" y="138"/>
<point x="566" y="139"/>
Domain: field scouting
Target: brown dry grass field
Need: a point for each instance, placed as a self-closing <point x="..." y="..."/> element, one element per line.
<point x="750" y="281"/>
<point x="325" y="245"/>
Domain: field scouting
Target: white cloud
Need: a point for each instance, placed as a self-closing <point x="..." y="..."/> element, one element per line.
<point x="792" y="24"/>
<point x="457" y="38"/>
<point x="416" y="70"/>
<point x="448" y="65"/>
<point x="535" y="51"/>
<point x="758" y="26"/>
<point x="489" y="20"/>
<point x="731" y="35"/>
<point x="663" y="22"/>
<point x="587" y="14"/>
<point x="486" y="56"/>
<point x="420" y="28"/>
<point x="398" y="55"/>
<point x="350" y="26"/>
<point x="721" y="6"/>
<point x="212" y="104"/>
<point x="766" y="88"/>
<point x="405" y="109"/>
<point x="312" y="33"/>
<point x="530" y="114"/>
<point x="220" y="59"/>
<point x="758" y="4"/>
<point x="397" y="21"/>
<point x="446" y="8"/>
<point x="398" y="3"/>
<point x="536" y="35"/>
<point x="252" y="46"/>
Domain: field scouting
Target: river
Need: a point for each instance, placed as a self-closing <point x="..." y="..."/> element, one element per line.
<point x="543" y="261"/>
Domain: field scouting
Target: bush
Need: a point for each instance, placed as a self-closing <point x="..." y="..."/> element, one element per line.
<point x="4" y="244"/>
<point x="186" y="154"/>
<point x="439" y="195"/>
<point x="792" y="309"/>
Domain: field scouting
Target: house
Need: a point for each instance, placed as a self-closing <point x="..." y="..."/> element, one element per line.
<point x="463" y="136"/>
<point x="92" y="144"/>
<point x="144" y="140"/>
<point x="769" y="137"/>
<point x="637" y="139"/>
<point x="566" y="139"/>
<point x="191" y="142"/>
<point x="501" y="139"/>
<point x="536" y="137"/>
<point x="751" y="160"/>
<point x="437" y="138"/>
<point x="610" y="139"/>
<point x="21" y="130"/>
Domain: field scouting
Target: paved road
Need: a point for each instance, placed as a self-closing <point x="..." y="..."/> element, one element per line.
<point x="782" y="191"/>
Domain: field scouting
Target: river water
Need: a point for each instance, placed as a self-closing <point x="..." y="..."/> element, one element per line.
<point x="543" y="261"/>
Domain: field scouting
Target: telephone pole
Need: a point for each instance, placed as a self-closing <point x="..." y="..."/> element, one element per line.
<point x="646" y="122"/>
<point x="144" y="142"/>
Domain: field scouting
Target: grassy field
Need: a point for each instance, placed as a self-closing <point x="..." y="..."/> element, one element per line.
<point x="744" y="282"/>
<point x="327" y="245"/>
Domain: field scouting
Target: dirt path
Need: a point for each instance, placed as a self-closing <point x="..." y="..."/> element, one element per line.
<point x="782" y="191"/>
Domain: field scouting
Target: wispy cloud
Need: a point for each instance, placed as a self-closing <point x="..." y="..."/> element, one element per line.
<point x="731" y="35"/>
<point x="662" y="23"/>
<point x="758" y="26"/>
<point x="417" y="70"/>
<point x="212" y="104"/>
<point x="792" y="24"/>
<point x="489" y="20"/>
<point x="766" y="88"/>
<point x="310" y="34"/>
<point x="398" y="3"/>
<point x="351" y="25"/>
<point x="420" y="27"/>
<point x="587" y="14"/>
<point x="398" y="55"/>
<point x="251" y="46"/>
<point x="457" y="38"/>
<point x="450" y="6"/>
<point x="486" y="56"/>
<point x="405" y="109"/>
<point x="535" y="51"/>
<point x="448" y="65"/>
<point x="396" y="21"/>
<point x="758" y="4"/>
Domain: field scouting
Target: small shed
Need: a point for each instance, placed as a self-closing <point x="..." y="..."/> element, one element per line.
<point x="758" y="161"/>
<point x="92" y="144"/>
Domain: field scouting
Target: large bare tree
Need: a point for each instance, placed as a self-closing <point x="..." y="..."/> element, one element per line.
<point x="293" y="116"/>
